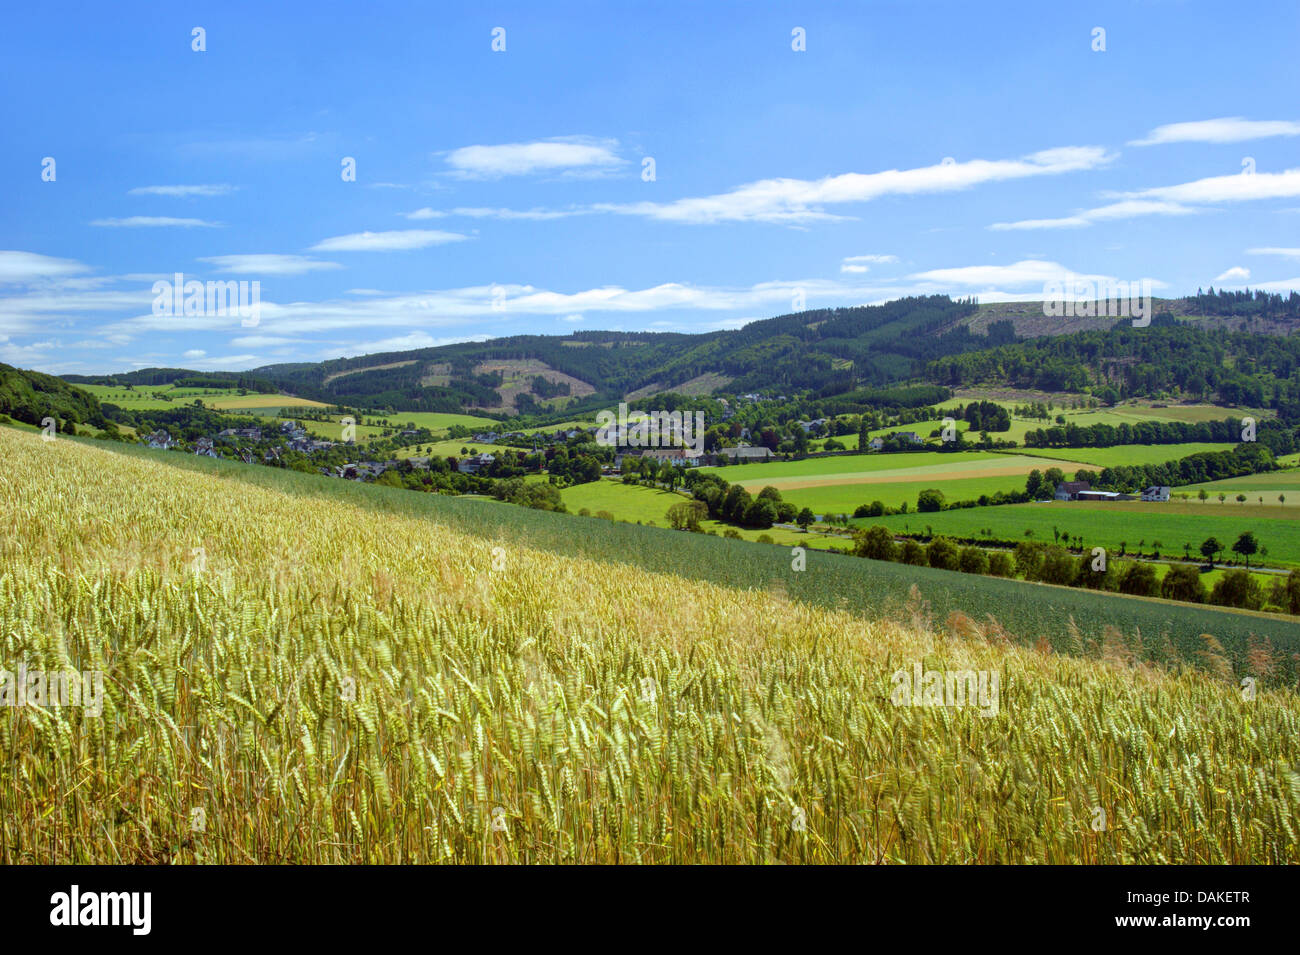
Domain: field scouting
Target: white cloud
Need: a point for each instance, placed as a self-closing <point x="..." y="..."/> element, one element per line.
<point x="394" y="241"/>
<point x="1274" y="250"/>
<point x="1125" y="209"/>
<point x="1026" y="273"/>
<point x="406" y="343"/>
<point x="486" y="213"/>
<point x="21" y="268"/>
<point x="269" y="264"/>
<point x="1229" y="129"/>
<point x="571" y="318"/>
<point x="566" y="155"/>
<point x="194" y="353"/>
<point x="801" y="200"/>
<point x="133" y="222"/>
<point x="858" y="264"/>
<point x="1285" y="285"/>
<point x="1235" y="274"/>
<point x="219" y="189"/>
<point x="1237" y="187"/>
<point x="261" y="341"/>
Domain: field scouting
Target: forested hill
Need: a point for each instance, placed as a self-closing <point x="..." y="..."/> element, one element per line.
<point x="1235" y="347"/>
<point x="827" y="351"/>
<point x="30" y="397"/>
<point x="1245" y="369"/>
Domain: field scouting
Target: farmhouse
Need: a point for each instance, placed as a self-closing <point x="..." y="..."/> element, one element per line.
<point x="1159" y="493"/>
<point x="161" y="439"/>
<point x="475" y="463"/>
<point x="875" y="444"/>
<point x="1070" y="490"/>
<point x="681" y="457"/>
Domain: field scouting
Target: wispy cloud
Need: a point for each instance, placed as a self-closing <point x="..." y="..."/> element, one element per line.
<point x="182" y="191"/>
<point x="858" y="264"/>
<point x="479" y="212"/>
<point x="1229" y="129"/>
<point x="793" y="201"/>
<point x="574" y="155"/>
<point x="1126" y="209"/>
<point x="1235" y="274"/>
<point x="1275" y="250"/>
<point x="1233" y="188"/>
<point x="269" y="264"/>
<point x="139" y="222"/>
<point x="1026" y="273"/>
<point x="21" y="268"/>
<point x="394" y="241"/>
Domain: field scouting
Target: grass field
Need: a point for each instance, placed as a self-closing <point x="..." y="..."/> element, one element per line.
<point x="1269" y="484"/>
<point x="1104" y="524"/>
<point x="362" y="674"/>
<point x="839" y="484"/>
<point x="1125" y="454"/>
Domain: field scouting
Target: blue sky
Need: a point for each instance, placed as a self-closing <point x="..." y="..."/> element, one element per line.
<point x="909" y="148"/>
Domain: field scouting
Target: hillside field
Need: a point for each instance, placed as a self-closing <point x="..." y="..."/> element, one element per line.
<point x="361" y="674"/>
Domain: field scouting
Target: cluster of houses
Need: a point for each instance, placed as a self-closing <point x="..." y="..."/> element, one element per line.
<point x="296" y="437"/>
<point x="557" y="437"/>
<point x="1082" y="491"/>
<point x="911" y="437"/>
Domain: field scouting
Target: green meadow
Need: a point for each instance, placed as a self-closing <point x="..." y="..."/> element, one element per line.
<point x="1105" y="524"/>
<point x="1125" y="454"/>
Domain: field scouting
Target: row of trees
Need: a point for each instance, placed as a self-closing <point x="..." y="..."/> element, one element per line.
<point x="1053" y="564"/>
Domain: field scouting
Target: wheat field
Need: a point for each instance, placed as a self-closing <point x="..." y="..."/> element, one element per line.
<point x="296" y="679"/>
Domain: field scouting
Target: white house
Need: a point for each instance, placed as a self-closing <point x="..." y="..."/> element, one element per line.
<point x="1158" y="493"/>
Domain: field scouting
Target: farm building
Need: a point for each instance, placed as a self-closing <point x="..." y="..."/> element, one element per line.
<point x="1159" y="493"/>
<point x="1071" y="490"/>
<point x="746" y="453"/>
<point x="1102" y="496"/>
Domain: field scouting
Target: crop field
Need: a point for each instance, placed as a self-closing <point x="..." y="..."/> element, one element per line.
<point x="1106" y="524"/>
<point x="416" y="680"/>
<point x="839" y="484"/>
<point x="1269" y="484"/>
<point x="1125" y="454"/>
<point x="268" y="404"/>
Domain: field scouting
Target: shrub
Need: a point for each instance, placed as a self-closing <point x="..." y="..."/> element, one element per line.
<point x="1237" y="588"/>
<point x="875" y="543"/>
<point x="1000" y="565"/>
<point x="914" y="554"/>
<point x="1139" y="578"/>
<point x="972" y="560"/>
<point x="1183" y="582"/>
<point x="930" y="500"/>
<point x="942" y="554"/>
